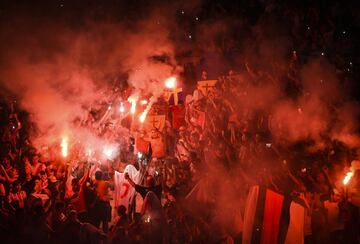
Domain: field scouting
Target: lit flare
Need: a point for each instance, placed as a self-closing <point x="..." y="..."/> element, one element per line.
<point x="64" y="147"/>
<point x="170" y="83"/>
<point x="133" y="99"/>
<point x="122" y="108"/>
<point x="143" y="116"/>
<point x="348" y="177"/>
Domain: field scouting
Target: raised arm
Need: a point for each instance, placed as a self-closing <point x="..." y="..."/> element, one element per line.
<point x="127" y="177"/>
<point x="7" y="177"/>
<point x="85" y="176"/>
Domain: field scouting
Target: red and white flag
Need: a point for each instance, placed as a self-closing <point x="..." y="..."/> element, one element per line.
<point x="123" y="191"/>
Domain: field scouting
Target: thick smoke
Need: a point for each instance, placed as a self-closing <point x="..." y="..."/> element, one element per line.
<point x="60" y="73"/>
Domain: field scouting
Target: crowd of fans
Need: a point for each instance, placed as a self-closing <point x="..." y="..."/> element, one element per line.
<point x="45" y="201"/>
<point x="56" y="201"/>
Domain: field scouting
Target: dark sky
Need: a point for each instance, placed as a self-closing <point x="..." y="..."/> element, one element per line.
<point x="194" y="23"/>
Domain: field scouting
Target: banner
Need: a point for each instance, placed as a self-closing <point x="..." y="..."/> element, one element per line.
<point x="152" y="122"/>
<point x="141" y="144"/>
<point x="178" y="116"/>
<point x="153" y="127"/>
<point x="175" y="96"/>
<point x="123" y="191"/>
<point x="206" y="87"/>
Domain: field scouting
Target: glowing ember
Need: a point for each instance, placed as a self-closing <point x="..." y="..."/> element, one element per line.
<point x="170" y="83"/>
<point x="64" y="147"/>
<point x="122" y="108"/>
<point x="348" y="177"/>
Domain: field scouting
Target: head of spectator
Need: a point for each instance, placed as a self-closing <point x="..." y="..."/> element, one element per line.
<point x="35" y="159"/>
<point x="16" y="187"/>
<point x="121" y="211"/>
<point x="6" y="162"/>
<point x="98" y="175"/>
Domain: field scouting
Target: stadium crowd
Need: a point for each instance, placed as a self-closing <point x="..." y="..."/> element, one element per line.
<point x="45" y="201"/>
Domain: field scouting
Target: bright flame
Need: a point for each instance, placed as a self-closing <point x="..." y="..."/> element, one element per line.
<point x="348" y="177"/>
<point x="133" y="100"/>
<point x="143" y="116"/>
<point x="64" y="147"/>
<point x="122" y="108"/>
<point x="144" y="102"/>
<point x="170" y="83"/>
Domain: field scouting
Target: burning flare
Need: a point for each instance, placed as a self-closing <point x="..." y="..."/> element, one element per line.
<point x="148" y="107"/>
<point x="170" y="83"/>
<point x="122" y="108"/>
<point x="64" y="147"/>
<point x="133" y="100"/>
<point x="143" y="116"/>
<point x="348" y="177"/>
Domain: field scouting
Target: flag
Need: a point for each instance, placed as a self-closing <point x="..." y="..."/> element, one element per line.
<point x="249" y="214"/>
<point x="206" y="86"/>
<point x="178" y="116"/>
<point x="174" y="96"/>
<point x="157" y="144"/>
<point x="123" y="191"/>
<point x="153" y="126"/>
<point x="141" y="144"/>
<point x="266" y="215"/>
<point x="295" y="233"/>
<point x="272" y="215"/>
<point x="156" y="122"/>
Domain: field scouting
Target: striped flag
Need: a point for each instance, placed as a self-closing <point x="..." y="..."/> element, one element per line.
<point x="271" y="218"/>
